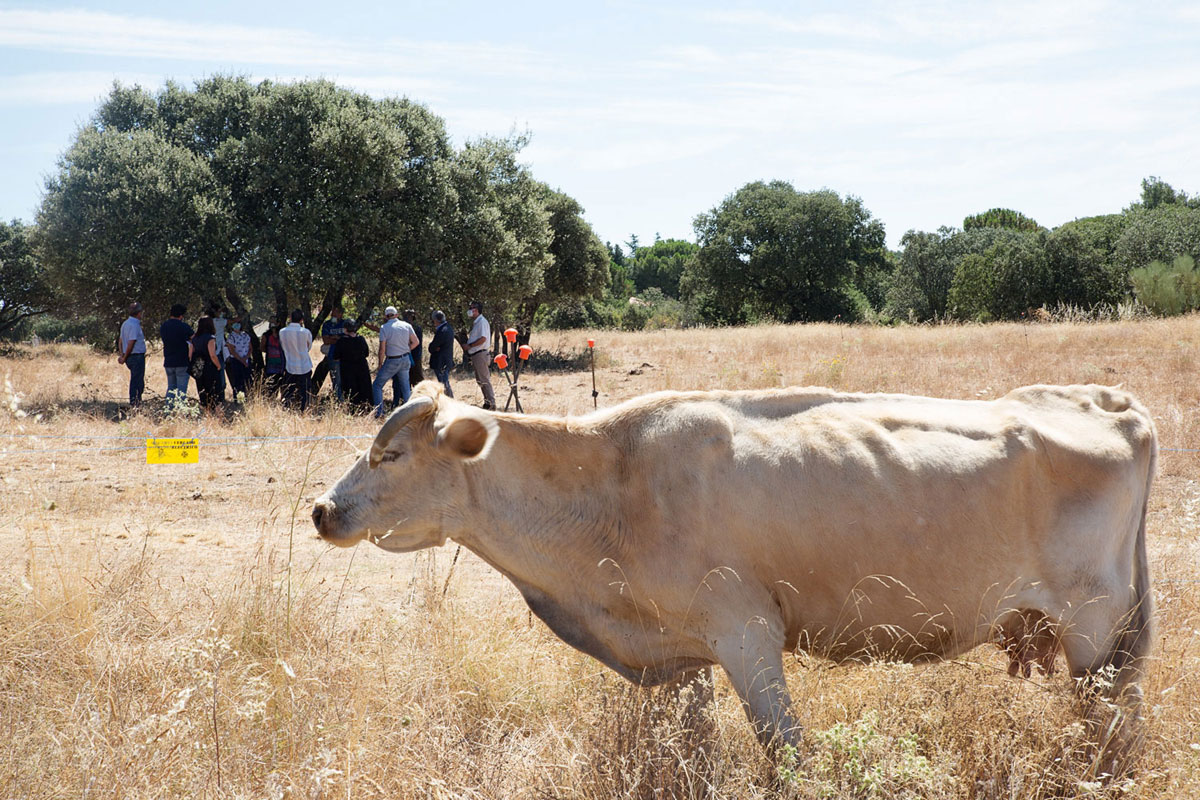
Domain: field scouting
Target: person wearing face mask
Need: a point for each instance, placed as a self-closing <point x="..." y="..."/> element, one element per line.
<point x="219" y="324"/>
<point x="331" y="330"/>
<point x="478" y="341"/>
<point x="237" y="358"/>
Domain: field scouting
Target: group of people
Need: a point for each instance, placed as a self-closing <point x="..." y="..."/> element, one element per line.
<point x="218" y="354"/>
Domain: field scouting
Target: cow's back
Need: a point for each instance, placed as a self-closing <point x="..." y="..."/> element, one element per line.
<point x="884" y="522"/>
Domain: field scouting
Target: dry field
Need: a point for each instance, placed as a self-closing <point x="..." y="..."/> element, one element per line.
<point x="179" y="631"/>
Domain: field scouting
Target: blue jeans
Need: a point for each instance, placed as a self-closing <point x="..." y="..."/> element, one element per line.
<point x="136" y="362"/>
<point x="443" y="375"/>
<point x="396" y="367"/>
<point x="177" y="383"/>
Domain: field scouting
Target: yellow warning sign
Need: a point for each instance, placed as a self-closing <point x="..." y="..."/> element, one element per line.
<point x="172" y="451"/>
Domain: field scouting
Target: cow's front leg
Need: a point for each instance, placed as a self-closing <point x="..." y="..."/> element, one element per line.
<point x="753" y="660"/>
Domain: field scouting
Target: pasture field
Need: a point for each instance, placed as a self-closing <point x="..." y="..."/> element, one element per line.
<point x="179" y="631"/>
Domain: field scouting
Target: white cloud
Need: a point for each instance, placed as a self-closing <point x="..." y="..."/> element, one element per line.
<point x="98" y="33"/>
<point x="56" y="88"/>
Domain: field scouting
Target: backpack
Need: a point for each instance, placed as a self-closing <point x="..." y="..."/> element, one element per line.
<point x="196" y="365"/>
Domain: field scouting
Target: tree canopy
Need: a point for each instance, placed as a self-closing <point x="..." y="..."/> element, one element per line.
<point x="771" y="251"/>
<point x="270" y="196"/>
<point x="24" y="290"/>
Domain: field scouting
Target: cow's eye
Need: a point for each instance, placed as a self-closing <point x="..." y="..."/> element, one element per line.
<point x="391" y="456"/>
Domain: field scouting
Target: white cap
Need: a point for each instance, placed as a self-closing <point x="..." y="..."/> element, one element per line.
<point x="390" y="311"/>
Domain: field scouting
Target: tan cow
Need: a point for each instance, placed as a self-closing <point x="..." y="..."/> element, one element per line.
<point x="685" y="529"/>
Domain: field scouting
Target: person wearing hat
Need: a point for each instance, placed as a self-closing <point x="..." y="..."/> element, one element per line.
<point x="396" y="341"/>
<point x="131" y="351"/>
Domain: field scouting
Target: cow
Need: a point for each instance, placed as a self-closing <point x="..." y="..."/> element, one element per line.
<point x="681" y="530"/>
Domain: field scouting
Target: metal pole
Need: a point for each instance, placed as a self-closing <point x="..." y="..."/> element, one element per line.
<point x="592" y="357"/>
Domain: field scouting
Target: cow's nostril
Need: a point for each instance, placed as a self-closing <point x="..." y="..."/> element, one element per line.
<point x="317" y="515"/>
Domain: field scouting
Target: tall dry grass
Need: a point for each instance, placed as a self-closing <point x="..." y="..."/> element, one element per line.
<point x="178" y="631"/>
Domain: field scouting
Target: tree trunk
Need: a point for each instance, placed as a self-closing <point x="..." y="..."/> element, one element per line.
<point x="333" y="297"/>
<point x="365" y="308"/>
<point x="525" y="315"/>
<point x="281" y="304"/>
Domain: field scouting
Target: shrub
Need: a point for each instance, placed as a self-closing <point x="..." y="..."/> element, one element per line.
<point x="1168" y="290"/>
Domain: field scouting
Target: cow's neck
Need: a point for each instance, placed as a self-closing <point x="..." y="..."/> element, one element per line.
<point x="549" y="514"/>
<point x="545" y="494"/>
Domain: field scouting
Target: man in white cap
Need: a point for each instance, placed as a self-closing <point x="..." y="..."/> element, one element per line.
<point x="396" y="341"/>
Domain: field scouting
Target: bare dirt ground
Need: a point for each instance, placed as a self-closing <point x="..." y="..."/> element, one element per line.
<point x="79" y="505"/>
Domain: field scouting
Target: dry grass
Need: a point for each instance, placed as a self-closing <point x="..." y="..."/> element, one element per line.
<point x="172" y="631"/>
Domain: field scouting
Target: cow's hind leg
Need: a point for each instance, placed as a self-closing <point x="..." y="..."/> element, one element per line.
<point x="1106" y="643"/>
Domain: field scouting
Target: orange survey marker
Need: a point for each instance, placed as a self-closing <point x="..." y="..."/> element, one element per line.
<point x="502" y="361"/>
<point x="172" y="451"/>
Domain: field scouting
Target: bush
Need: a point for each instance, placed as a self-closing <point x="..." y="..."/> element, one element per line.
<point x="635" y="316"/>
<point x="569" y="314"/>
<point x="91" y="330"/>
<point x="1168" y="290"/>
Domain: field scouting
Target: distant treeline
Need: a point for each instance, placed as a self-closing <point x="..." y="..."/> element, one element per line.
<point x="268" y="197"/>
<point x="769" y="252"/>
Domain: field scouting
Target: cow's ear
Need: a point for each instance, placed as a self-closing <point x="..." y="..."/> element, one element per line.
<point x="468" y="436"/>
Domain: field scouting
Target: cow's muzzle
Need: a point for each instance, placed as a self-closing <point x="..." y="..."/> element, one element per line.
<point x="326" y="519"/>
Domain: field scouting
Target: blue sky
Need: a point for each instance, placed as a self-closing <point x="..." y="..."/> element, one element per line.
<point x="649" y="113"/>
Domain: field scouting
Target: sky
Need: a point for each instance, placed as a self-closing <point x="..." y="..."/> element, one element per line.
<point x="651" y="113"/>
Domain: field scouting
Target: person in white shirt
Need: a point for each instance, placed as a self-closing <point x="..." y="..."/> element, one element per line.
<point x="219" y="324"/>
<point x="131" y="351"/>
<point x="396" y="341"/>
<point x="296" y="341"/>
<point x="478" y="344"/>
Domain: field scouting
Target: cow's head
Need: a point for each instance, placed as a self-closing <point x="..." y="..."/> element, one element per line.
<point x="409" y="490"/>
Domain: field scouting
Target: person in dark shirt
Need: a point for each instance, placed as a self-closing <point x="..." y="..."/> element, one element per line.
<point x="351" y="352"/>
<point x="272" y="361"/>
<point x="175" y="334"/>
<point x="441" y="351"/>
<point x="415" y="373"/>
<point x="208" y="384"/>
<point x="331" y="330"/>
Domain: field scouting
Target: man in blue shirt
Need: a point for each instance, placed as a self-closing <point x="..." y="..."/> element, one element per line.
<point x="331" y="330"/>
<point x="131" y="348"/>
<point x="441" y="350"/>
<point x="175" y="335"/>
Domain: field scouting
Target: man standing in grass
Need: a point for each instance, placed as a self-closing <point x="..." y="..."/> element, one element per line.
<point x="175" y="335"/>
<point x="396" y="341"/>
<point x="478" y="349"/>
<point x="296" y="341"/>
<point x="131" y="349"/>
<point x="331" y="330"/>
<point x="441" y="350"/>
